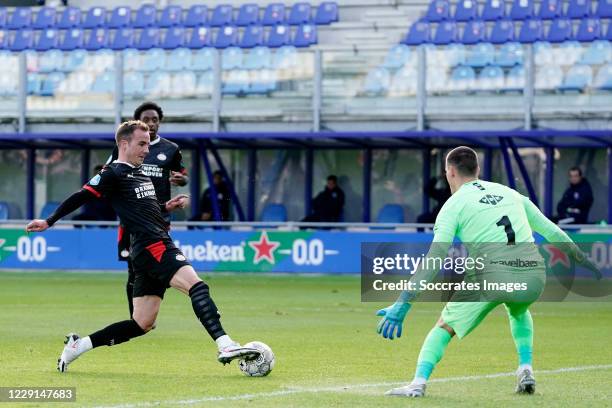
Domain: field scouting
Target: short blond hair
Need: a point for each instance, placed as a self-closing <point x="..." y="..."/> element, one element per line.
<point x="127" y="129"/>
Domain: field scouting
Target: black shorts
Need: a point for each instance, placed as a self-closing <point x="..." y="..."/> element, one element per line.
<point x="155" y="266"/>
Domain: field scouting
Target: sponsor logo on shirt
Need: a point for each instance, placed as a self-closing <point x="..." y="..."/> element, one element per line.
<point x="95" y="180"/>
<point x="491" y="199"/>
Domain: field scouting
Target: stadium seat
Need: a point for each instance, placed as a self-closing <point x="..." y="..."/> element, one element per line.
<point x="567" y="53"/>
<point x="299" y="14"/>
<point x="603" y="80"/>
<point x="133" y="84"/>
<point x="419" y="33"/>
<point x="70" y="17"/>
<point x="474" y="32"/>
<point x="149" y="38"/>
<point x="45" y="18"/>
<point x="598" y="53"/>
<point x="203" y="59"/>
<point x="104" y="83"/>
<point x="521" y="10"/>
<point x="72" y="40"/>
<point x="258" y="58"/>
<point x="263" y="81"/>
<point x="183" y="84"/>
<point x="550" y="9"/>
<point x="491" y="78"/>
<point x="3" y="17"/>
<point x="98" y="38"/>
<point x="252" y="37"/>
<point x="51" y="83"/>
<point x="15" y="211"/>
<point x="120" y="17"/>
<point x="33" y="83"/>
<point x="279" y="35"/>
<point x="174" y="38"/>
<point x="560" y="30"/>
<point x="455" y="54"/>
<point x="74" y="60"/>
<point x="227" y="37"/>
<point x="101" y="60"/>
<point x="95" y="17"/>
<point x="510" y="54"/>
<point x="305" y="35"/>
<point x="446" y="33"/>
<point x="397" y="56"/>
<point x="438" y="10"/>
<point x="531" y="31"/>
<point x="48" y="209"/>
<point x="543" y="53"/>
<point x="274" y="14"/>
<point x="247" y="14"/>
<point x="503" y="32"/>
<point x="390" y="214"/>
<point x="466" y="10"/>
<point x="171" y="16"/>
<point x="4" y="210"/>
<point x="548" y="78"/>
<point x="327" y="13"/>
<point x="153" y="60"/>
<point x="197" y="15"/>
<point x="124" y="38"/>
<point x="589" y="30"/>
<point x="236" y="83"/>
<point x="604" y="9"/>
<point x="146" y="16"/>
<point x="515" y="80"/>
<point x="132" y="60"/>
<point x="481" y="54"/>
<point x="21" y="18"/>
<point x="158" y="84"/>
<point x="221" y="16"/>
<point x="231" y="58"/>
<point x="205" y="85"/>
<point x="51" y="60"/>
<point x="4" y="39"/>
<point x="8" y="85"/>
<point x="24" y="39"/>
<point x="578" y="9"/>
<point x="463" y="78"/>
<point x="47" y="40"/>
<point x="578" y="78"/>
<point x="285" y="57"/>
<point x="377" y="81"/>
<point x="404" y="82"/>
<point x="494" y="10"/>
<point x="274" y="213"/>
<point x="178" y="59"/>
<point x="200" y="38"/>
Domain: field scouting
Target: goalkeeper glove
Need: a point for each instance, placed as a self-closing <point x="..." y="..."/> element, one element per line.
<point x="393" y="318"/>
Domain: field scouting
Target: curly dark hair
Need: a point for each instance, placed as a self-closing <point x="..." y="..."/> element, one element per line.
<point x="148" y="106"/>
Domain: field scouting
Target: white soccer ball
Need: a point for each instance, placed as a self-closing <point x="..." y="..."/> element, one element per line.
<point x="262" y="365"/>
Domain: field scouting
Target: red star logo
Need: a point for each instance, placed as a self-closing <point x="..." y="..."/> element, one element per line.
<point x="264" y="249"/>
<point x="557" y="256"/>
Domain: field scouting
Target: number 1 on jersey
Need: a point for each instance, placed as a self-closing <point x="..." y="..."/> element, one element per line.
<point x="505" y="222"/>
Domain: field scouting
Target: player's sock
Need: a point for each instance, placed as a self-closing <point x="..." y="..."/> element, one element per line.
<point x="224" y="342"/>
<point x="431" y="353"/>
<point x="206" y="310"/>
<point x="521" y="327"/>
<point x="116" y="333"/>
<point x="129" y="288"/>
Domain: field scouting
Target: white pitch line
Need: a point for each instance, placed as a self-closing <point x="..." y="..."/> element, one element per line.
<point x="340" y="388"/>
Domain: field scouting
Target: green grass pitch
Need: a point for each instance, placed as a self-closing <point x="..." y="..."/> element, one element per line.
<point x="327" y="351"/>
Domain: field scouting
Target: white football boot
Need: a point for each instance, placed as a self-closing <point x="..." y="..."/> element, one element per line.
<point x="70" y="352"/>
<point x="234" y="351"/>
<point x="410" y="390"/>
<point x="525" y="381"/>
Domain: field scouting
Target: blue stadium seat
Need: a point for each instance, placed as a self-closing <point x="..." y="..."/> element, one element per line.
<point x="446" y="33"/>
<point x="133" y="84"/>
<point x="263" y="81"/>
<point x="598" y="53"/>
<point x="279" y="35"/>
<point x="515" y="80"/>
<point x="491" y="78"/>
<point x="48" y="209"/>
<point x="71" y="17"/>
<point x="74" y="60"/>
<point x="24" y="39"/>
<point x="153" y="60"/>
<point x="174" y="38"/>
<point x="578" y="78"/>
<point x="236" y="83"/>
<point x="510" y="54"/>
<point x="474" y="32"/>
<point x="299" y="14"/>
<point x="33" y="83"/>
<point x="578" y="9"/>
<point x="285" y="57"/>
<point x="521" y="10"/>
<point x="463" y="78"/>
<point x="104" y="83"/>
<point x="45" y="18"/>
<point x="205" y="85"/>
<point x="171" y="16"/>
<point x="531" y="31"/>
<point x="202" y="59"/>
<point x="377" y="81"/>
<point x="200" y="38"/>
<point x="47" y="39"/>
<point x="327" y="13"/>
<point x="51" y="60"/>
<point x="158" y="84"/>
<point x="51" y="83"/>
<point x="4" y="39"/>
<point x="455" y="54"/>
<point x="149" y="38"/>
<point x="274" y="14"/>
<point x="131" y="60"/>
<point x="183" y="84"/>
<point x="466" y="10"/>
<point x="274" y="213"/>
<point x="550" y="9"/>
<point x="503" y="31"/>
<point x="231" y="58"/>
<point x="603" y="80"/>
<point x="120" y="17"/>
<point x="4" y="210"/>
<point x="178" y="59"/>
<point x="227" y="37"/>
<point x="124" y="38"/>
<point x="258" y="58"/>
<point x="481" y="54"/>
<point x="305" y="35"/>
<point x="21" y="18"/>
<point x="222" y="15"/>
<point x="543" y="53"/>
<point x="3" y="17"/>
<point x="404" y="82"/>
<point x="548" y="78"/>
<point x="98" y="39"/>
<point x="559" y="31"/>
<point x="494" y="10"/>
<point x="604" y="9"/>
<point x="146" y="16"/>
<point x="419" y="33"/>
<point x="397" y="56"/>
<point x="567" y="54"/>
<point x="247" y="14"/>
<point x="438" y="10"/>
<point x="95" y="17"/>
<point x="72" y="39"/>
<point x="589" y="30"/>
<point x="252" y="37"/>
<point x="390" y="214"/>
<point x="197" y="15"/>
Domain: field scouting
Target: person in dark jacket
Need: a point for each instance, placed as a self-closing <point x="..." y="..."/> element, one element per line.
<point x="439" y="193"/>
<point x="328" y="204"/>
<point x="223" y="197"/>
<point x="577" y="200"/>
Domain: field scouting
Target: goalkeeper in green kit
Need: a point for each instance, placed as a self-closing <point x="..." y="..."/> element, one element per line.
<point x="482" y="215"/>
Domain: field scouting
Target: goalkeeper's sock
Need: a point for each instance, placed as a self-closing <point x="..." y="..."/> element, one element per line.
<point x="521" y="327"/>
<point x="431" y="353"/>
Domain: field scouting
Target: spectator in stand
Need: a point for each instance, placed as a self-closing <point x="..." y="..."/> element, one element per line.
<point x="437" y="188"/>
<point x="576" y="201"/>
<point x="96" y="210"/>
<point x="223" y="196"/>
<point x="328" y="204"/>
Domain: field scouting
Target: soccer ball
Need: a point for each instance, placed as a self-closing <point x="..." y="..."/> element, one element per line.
<point x="262" y="365"/>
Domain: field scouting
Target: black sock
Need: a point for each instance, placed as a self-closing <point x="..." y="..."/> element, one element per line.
<point x="129" y="288"/>
<point x="116" y="333"/>
<point x="206" y="310"/>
